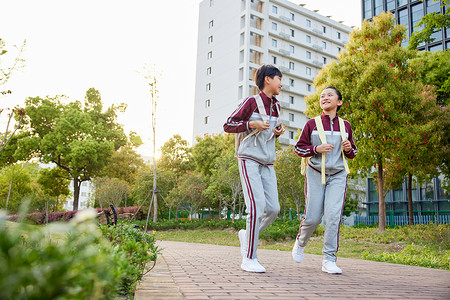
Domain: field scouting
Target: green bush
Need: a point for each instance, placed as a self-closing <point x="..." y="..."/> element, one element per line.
<point x="138" y="247"/>
<point x="75" y="263"/>
<point x="414" y="255"/>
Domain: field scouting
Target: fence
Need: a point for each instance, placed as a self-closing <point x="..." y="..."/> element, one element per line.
<point x="404" y="220"/>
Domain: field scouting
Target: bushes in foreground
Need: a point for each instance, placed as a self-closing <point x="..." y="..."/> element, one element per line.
<point x="71" y="260"/>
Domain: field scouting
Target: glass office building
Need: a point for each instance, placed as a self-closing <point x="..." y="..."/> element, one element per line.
<point x="409" y="13"/>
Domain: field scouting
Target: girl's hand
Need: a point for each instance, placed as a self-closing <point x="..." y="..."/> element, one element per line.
<point x="346" y="145"/>
<point x="259" y="125"/>
<point x="324" y="148"/>
<point x="278" y="131"/>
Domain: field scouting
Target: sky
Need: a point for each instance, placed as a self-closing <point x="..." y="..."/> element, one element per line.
<point x="72" y="46"/>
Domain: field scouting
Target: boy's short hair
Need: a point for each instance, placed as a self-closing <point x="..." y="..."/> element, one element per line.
<point x="337" y="93"/>
<point x="263" y="71"/>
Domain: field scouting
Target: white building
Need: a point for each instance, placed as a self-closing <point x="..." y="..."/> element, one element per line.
<point x="86" y="196"/>
<point x="236" y="37"/>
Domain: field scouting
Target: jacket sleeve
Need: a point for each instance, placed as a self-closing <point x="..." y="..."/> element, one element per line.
<point x="303" y="147"/>
<point x="239" y="119"/>
<point x="352" y="153"/>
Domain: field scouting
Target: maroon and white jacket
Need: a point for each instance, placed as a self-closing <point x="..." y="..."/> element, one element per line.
<point x="309" y="140"/>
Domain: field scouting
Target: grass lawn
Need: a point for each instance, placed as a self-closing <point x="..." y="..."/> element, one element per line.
<point x="347" y="247"/>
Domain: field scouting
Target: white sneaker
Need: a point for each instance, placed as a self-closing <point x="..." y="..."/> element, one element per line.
<point x="329" y="266"/>
<point x="298" y="252"/>
<point x="242" y="242"/>
<point x="252" y="265"/>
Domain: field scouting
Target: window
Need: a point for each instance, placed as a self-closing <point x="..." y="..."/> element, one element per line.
<point x="308" y="87"/>
<point x="274" y="60"/>
<point x="292" y="17"/>
<point x="308" y="71"/>
<point x="339" y="49"/>
<point x="274" y="43"/>
<point x="308" y="23"/>
<point x="208" y="86"/>
<point x="208" y="71"/>
<point x="211" y="3"/>
<point x="274" y="9"/>
<point x="291" y="117"/>
<point x="291" y="135"/>
<point x="291" y="99"/>
<point x="291" y="65"/>
<point x="83" y="194"/>
<point x="367" y="9"/>
<point x="210" y="39"/>
<point x="208" y="103"/>
<point x="324" y="59"/>
<point x="416" y="15"/>
<point x="390" y="4"/>
<point x="211" y="24"/>
<point x="291" y="82"/>
<point x="292" y="32"/>
<point x="84" y="183"/>
<point x="291" y="48"/>
<point x="308" y="55"/>
<point x="274" y="26"/>
<point x="324" y="29"/>
<point x="378" y="8"/>
<point x="206" y="119"/>
<point x="403" y="20"/>
<point x="308" y="39"/>
<point x="324" y="45"/>
<point x="338" y="35"/>
<point x="401" y="2"/>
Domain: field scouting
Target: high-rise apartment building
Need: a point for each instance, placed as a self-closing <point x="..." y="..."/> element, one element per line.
<point x="409" y="13"/>
<point x="236" y="37"/>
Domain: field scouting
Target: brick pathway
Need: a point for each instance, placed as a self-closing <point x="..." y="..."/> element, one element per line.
<point x="200" y="271"/>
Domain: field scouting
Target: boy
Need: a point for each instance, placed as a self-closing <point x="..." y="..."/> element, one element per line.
<point x="256" y="155"/>
<point x="325" y="196"/>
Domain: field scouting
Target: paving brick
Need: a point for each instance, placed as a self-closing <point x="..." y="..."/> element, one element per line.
<point x="199" y="271"/>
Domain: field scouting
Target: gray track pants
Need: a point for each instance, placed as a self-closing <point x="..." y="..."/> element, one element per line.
<point x="259" y="185"/>
<point x="323" y="200"/>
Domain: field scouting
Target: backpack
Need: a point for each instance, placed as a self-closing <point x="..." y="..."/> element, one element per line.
<point x="239" y="136"/>
<point x="323" y="139"/>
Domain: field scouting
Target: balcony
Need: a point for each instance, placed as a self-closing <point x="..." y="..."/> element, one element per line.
<point x="317" y="31"/>
<point x="317" y="47"/>
<point x="285" y="35"/>
<point x="317" y="63"/>
<point x="285" y="52"/>
<point x="286" y="19"/>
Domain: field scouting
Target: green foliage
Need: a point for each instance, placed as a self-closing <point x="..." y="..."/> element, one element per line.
<point x="76" y="263"/>
<point x="414" y="255"/>
<point x="123" y="164"/>
<point x="429" y="24"/>
<point x="79" y="138"/>
<point x="175" y="155"/>
<point x="138" y="247"/>
<point x="110" y="191"/>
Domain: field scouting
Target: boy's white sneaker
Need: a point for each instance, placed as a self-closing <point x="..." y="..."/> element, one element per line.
<point x="252" y="265"/>
<point x="329" y="266"/>
<point x="242" y="242"/>
<point x="298" y="252"/>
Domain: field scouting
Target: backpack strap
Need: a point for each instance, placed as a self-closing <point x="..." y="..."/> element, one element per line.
<point x="262" y="113"/>
<point x="323" y="139"/>
<point x="344" y="137"/>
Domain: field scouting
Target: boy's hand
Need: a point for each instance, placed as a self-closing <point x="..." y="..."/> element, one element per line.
<point x="324" y="148"/>
<point x="278" y="130"/>
<point x="346" y="145"/>
<point x="259" y="125"/>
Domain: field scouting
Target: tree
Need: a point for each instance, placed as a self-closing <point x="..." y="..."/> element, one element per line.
<point x="5" y="74"/>
<point x="225" y="181"/>
<point x="15" y="185"/>
<point x="54" y="183"/>
<point x="191" y="187"/>
<point x="379" y="92"/>
<point x="110" y="191"/>
<point x="428" y="25"/>
<point x="78" y="138"/>
<point x="175" y="155"/>
<point x="290" y="181"/>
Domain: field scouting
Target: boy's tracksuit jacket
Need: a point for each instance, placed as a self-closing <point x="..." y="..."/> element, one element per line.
<point x="259" y="147"/>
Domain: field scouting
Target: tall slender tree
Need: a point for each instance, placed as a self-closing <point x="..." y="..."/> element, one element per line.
<point x="379" y="91"/>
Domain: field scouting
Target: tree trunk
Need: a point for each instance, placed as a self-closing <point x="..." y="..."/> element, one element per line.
<point x="10" y="186"/>
<point x="76" y="192"/>
<point x="155" y="196"/>
<point x="234" y="209"/>
<point x="220" y="208"/>
<point x="381" y="203"/>
<point x="410" y="202"/>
